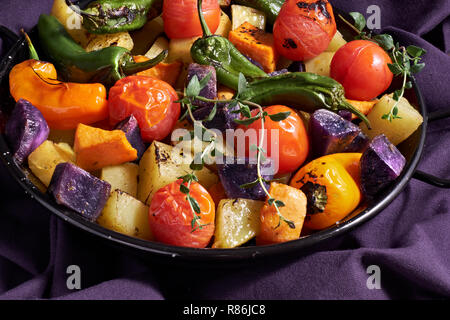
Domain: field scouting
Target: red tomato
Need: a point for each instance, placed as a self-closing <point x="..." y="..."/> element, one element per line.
<point x="361" y="66"/>
<point x="181" y="17"/>
<point x="151" y="101"/>
<point x="170" y="216"/>
<point x="293" y="143"/>
<point x="304" y="29"/>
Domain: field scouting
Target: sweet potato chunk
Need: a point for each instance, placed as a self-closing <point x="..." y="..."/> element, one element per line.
<point x="96" y="148"/>
<point x="256" y="44"/>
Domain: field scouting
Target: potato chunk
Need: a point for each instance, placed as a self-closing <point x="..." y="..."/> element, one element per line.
<point x="162" y="164"/>
<point x="122" y="177"/>
<point x="241" y="14"/>
<point x="320" y="64"/>
<point x="125" y="214"/>
<point x="237" y="221"/>
<point x="396" y="130"/>
<point x="46" y="157"/>
<point x="336" y="43"/>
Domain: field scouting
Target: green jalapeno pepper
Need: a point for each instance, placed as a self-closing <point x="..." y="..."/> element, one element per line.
<point x="220" y="53"/>
<point x="112" y="16"/>
<point x="302" y="90"/>
<point x="76" y="65"/>
<point x="270" y="7"/>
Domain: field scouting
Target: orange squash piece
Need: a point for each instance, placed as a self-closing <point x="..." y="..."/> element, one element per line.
<point x="97" y="148"/>
<point x="274" y="230"/>
<point x="256" y="44"/>
<point x="217" y="193"/>
<point x="364" y="106"/>
<point x="168" y="72"/>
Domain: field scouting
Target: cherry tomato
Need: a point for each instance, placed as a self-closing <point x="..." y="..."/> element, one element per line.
<point x="292" y="145"/>
<point x="151" y="101"/>
<point x="170" y="216"/>
<point x="304" y="29"/>
<point x="361" y="66"/>
<point x="181" y="17"/>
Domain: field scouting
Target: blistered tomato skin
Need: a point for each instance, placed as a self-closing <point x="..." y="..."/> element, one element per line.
<point x="151" y="101"/>
<point x="181" y="17"/>
<point x="304" y="29"/>
<point x="170" y="216"/>
<point x="361" y="66"/>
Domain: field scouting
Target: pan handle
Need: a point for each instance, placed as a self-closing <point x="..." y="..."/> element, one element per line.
<point x="428" y="178"/>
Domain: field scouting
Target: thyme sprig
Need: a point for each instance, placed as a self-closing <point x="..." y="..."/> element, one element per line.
<point x="406" y="61"/>
<point x="191" y="94"/>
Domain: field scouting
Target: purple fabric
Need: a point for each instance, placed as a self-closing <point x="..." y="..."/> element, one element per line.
<point x="409" y="241"/>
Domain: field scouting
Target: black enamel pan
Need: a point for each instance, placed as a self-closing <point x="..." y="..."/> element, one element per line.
<point x="412" y="149"/>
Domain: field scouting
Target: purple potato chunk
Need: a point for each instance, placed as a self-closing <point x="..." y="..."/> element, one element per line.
<point x="223" y="120"/>
<point x="359" y="144"/>
<point x="78" y="190"/>
<point x="133" y="133"/>
<point x="25" y="130"/>
<point x="297" y="66"/>
<point x="278" y="72"/>
<point x="381" y="164"/>
<point x="347" y="115"/>
<point x="242" y="172"/>
<point x="210" y="90"/>
<point x="330" y="133"/>
<point x="256" y="63"/>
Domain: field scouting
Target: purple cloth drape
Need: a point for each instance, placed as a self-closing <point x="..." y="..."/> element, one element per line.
<point x="409" y="241"/>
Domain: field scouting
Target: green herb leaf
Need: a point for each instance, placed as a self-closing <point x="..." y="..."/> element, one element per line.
<point x="416" y="68"/>
<point x="197" y="163"/>
<point x="242" y="84"/>
<point x="415" y="51"/>
<point x="245" y="110"/>
<point x="212" y="114"/>
<point x="184" y="189"/>
<point x="395" y="69"/>
<point x="204" y="82"/>
<point x="408" y="85"/>
<point x="360" y="21"/>
<point x="194" y="204"/>
<point x="280" y="116"/>
<point x="248" y="121"/>
<point x="385" y="41"/>
<point x="193" y="88"/>
<point x="397" y="94"/>
<point x="279" y="203"/>
<point x="250" y="184"/>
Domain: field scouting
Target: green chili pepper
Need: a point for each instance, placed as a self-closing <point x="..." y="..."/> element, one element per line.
<point x="75" y="64"/>
<point x="220" y="53"/>
<point x="270" y="7"/>
<point x="112" y="16"/>
<point x="302" y="90"/>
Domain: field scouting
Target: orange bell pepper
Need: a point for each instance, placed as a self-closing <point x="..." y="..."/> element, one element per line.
<point x="331" y="184"/>
<point x="63" y="105"/>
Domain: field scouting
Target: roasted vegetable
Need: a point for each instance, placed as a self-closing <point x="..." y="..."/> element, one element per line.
<point x="297" y="66"/>
<point x="241" y="14"/>
<point x="173" y="222"/>
<point x="359" y="143"/>
<point x="78" y="190"/>
<point x="46" y="157"/>
<point x="25" y="130"/>
<point x="122" y="177"/>
<point x="219" y="52"/>
<point x="158" y="46"/>
<point x="127" y="215"/>
<point x="63" y="105"/>
<point x="381" y="164"/>
<point x="320" y="64"/>
<point x="271" y="8"/>
<point x="223" y="119"/>
<point x="241" y="172"/>
<point x="330" y="133"/>
<point x="145" y="37"/>
<point x="273" y="229"/>
<point x="210" y="90"/>
<point x="97" y="148"/>
<point x="256" y="44"/>
<point x="364" y="106"/>
<point x="162" y="164"/>
<point x="397" y="130"/>
<point x="302" y="90"/>
<point x="111" y="16"/>
<point x="237" y="222"/>
<point x="71" y="22"/>
<point x="330" y="184"/>
<point x="133" y="133"/>
<point x="101" y="41"/>
<point x="336" y="43"/>
<point x="107" y="65"/>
